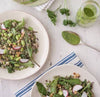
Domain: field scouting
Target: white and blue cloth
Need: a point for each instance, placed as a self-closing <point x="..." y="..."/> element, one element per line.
<point x="71" y="58"/>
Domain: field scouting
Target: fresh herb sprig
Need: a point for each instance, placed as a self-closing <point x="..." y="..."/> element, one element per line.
<point x="53" y="15"/>
<point x="65" y="11"/>
<point x="67" y="22"/>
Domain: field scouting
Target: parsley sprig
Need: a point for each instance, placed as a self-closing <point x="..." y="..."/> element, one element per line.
<point x="67" y="22"/>
<point x="53" y="15"/>
<point x="65" y="11"/>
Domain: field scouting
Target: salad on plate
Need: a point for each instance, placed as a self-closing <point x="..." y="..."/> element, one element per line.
<point x="69" y="86"/>
<point x="17" y="45"/>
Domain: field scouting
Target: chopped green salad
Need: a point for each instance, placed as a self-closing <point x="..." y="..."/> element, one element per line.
<point x="69" y="86"/>
<point x="17" y="45"/>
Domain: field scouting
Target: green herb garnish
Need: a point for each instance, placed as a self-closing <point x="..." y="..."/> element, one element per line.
<point x="53" y="86"/>
<point x="41" y="88"/>
<point x="28" y="64"/>
<point x="52" y="16"/>
<point x="20" y="25"/>
<point x="10" y="69"/>
<point x="71" y="81"/>
<point x="69" y="22"/>
<point x="65" y="11"/>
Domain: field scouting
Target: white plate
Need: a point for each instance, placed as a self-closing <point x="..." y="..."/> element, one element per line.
<point x="36" y="3"/>
<point x="67" y="70"/>
<point x="42" y="35"/>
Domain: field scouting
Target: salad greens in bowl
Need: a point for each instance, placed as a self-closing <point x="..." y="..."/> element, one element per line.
<point x="66" y="80"/>
<point x="17" y="45"/>
<point x="24" y="45"/>
<point x="31" y="2"/>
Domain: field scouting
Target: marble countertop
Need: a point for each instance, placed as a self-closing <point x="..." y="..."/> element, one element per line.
<point x="58" y="47"/>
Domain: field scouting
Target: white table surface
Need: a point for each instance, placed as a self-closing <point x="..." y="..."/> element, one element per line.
<point x="58" y="47"/>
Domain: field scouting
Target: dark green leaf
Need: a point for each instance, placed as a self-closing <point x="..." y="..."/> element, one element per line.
<point x="20" y="25"/>
<point x="30" y="51"/>
<point x="10" y="69"/>
<point x="71" y="81"/>
<point x="30" y="28"/>
<point x="8" y="23"/>
<point x="28" y="45"/>
<point x="41" y="89"/>
<point x="74" y="81"/>
<point x="65" y="22"/>
<point x="69" y="22"/>
<point x="53" y="86"/>
<point x="87" y="89"/>
<point x="65" y="11"/>
<point x="28" y="64"/>
<point x="52" y="16"/>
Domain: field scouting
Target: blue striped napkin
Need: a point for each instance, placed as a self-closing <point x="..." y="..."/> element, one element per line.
<point x="71" y="58"/>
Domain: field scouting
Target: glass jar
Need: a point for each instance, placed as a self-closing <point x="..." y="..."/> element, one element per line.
<point x="88" y="13"/>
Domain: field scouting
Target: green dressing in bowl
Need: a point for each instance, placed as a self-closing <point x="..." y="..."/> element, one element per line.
<point x="88" y="13"/>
